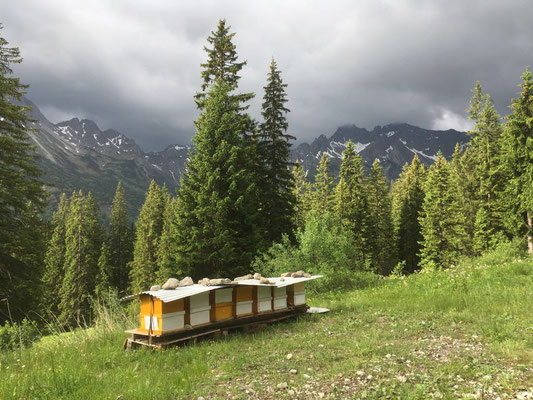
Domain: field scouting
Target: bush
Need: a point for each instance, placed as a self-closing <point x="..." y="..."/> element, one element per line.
<point x="324" y="247"/>
<point x="18" y="335"/>
<point x="504" y="251"/>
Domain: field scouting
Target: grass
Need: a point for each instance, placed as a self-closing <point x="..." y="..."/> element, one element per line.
<point x="462" y="333"/>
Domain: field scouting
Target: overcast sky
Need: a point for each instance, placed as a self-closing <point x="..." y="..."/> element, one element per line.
<point x="134" y="65"/>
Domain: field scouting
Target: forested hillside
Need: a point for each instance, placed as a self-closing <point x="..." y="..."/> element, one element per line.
<point x="243" y="206"/>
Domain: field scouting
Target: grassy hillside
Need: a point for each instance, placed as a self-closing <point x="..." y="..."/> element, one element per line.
<point x="462" y="333"/>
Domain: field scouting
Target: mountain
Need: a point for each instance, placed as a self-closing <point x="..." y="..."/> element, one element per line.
<point x="393" y="144"/>
<point x="77" y="154"/>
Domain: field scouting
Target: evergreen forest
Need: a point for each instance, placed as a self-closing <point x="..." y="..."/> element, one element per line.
<point x="243" y="207"/>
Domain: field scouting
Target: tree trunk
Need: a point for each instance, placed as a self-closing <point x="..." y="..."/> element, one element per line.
<point x="530" y="233"/>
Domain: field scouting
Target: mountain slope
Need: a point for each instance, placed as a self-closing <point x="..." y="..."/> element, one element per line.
<point x="77" y="154"/>
<point x="393" y="145"/>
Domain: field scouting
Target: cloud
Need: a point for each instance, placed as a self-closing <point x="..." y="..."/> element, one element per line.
<point x="134" y="66"/>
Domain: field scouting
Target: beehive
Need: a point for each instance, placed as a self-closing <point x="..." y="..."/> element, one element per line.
<point x="164" y="316"/>
<point x="279" y="295"/>
<point x="200" y="308"/>
<point x="243" y="300"/>
<point x="299" y="294"/>
<point x="264" y="298"/>
<point x="221" y="304"/>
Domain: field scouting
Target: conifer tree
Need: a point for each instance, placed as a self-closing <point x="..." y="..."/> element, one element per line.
<point x="408" y="197"/>
<point x="442" y="220"/>
<point x="380" y="227"/>
<point x="21" y="191"/>
<point x="82" y="245"/>
<point x="484" y="153"/>
<point x="462" y="169"/>
<point x="277" y="185"/>
<point x="55" y="258"/>
<point x="166" y="250"/>
<point x="148" y="231"/>
<point x="518" y="162"/>
<point x="120" y="241"/>
<point x="105" y="269"/>
<point x="217" y="230"/>
<point x="351" y="201"/>
<point x="302" y="194"/>
<point x="221" y="64"/>
<point x="322" y="197"/>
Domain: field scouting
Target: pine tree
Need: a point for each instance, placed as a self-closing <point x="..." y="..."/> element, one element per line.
<point x="148" y="231"/>
<point x="322" y="196"/>
<point x="167" y="250"/>
<point x="277" y="186"/>
<point x="518" y="162"/>
<point x="302" y="194"/>
<point x="217" y="230"/>
<point x="483" y="152"/>
<point x="105" y="269"/>
<point x="351" y="202"/>
<point x="380" y="227"/>
<point x="462" y="169"/>
<point x="408" y="198"/>
<point x="221" y="64"/>
<point x="120" y="241"/>
<point x="82" y="245"/>
<point x="54" y="261"/>
<point x="21" y="191"/>
<point x="442" y="220"/>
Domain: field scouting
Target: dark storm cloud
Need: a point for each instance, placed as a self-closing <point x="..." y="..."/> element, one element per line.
<point x="134" y="66"/>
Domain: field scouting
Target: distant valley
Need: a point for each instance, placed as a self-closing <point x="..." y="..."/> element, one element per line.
<point x="77" y="154"/>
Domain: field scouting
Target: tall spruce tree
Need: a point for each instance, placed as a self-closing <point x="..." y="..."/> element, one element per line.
<point x="302" y="194"/>
<point x="105" y="269"/>
<point x="54" y="261"/>
<point x="120" y="241"/>
<point x="380" y="226"/>
<point x="441" y="219"/>
<point x="82" y="245"/>
<point x="217" y="232"/>
<point x="462" y="169"/>
<point x="518" y="162"/>
<point x="408" y="198"/>
<point x="277" y="185"/>
<point x="484" y="152"/>
<point x="143" y="267"/>
<point x="322" y="197"/>
<point x="221" y="64"/>
<point x="21" y="193"/>
<point x="166" y="249"/>
<point x="351" y="202"/>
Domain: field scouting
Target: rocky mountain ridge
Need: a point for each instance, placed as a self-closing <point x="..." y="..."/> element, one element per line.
<point x="77" y="154"/>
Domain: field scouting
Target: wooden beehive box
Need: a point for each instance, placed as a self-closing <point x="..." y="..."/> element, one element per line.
<point x="221" y="304"/>
<point x="243" y="300"/>
<point x="296" y="294"/>
<point x="164" y="317"/>
<point x="279" y="297"/>
<point x="264" y="299"/>
<point x="200" y="308"/>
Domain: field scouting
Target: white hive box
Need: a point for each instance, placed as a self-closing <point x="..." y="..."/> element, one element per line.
<point x="199" y="309"/>
<point x="173" y="321"/>
<point x="299" y="294"/>
<point x="264" y="298"/>
<point x="280" y="298"/>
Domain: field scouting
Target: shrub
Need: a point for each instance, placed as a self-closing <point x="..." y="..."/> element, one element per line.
<point x="324" y="247"/>
<point x="18" y="334"/>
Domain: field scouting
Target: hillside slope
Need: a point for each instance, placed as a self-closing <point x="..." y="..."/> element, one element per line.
<point x="462" y="333"/>
<point x="77" y="154"/>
